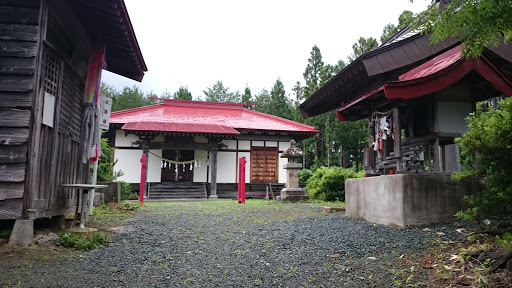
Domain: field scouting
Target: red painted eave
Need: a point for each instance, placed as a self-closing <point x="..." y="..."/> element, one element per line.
<point x="192" y="128"/>
<point x="435" y="75"/>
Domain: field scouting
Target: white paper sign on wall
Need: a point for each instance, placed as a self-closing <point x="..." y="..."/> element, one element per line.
<point x="48" y="109"/>
<point x="105" y="109"/>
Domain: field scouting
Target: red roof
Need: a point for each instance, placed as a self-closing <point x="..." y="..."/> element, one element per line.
<point x="183" y="116"/>
<point x="434" y="75"/>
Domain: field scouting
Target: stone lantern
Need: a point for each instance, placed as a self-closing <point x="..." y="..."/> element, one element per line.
<point x="292" y="192"/>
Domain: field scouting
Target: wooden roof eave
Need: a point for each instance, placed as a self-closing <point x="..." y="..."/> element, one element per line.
<point x="385" y="59"/>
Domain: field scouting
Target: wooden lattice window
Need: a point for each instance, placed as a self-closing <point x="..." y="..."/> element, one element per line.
<point x="51" y="75"/>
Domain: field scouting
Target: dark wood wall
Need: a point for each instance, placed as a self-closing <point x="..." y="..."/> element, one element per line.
<point x="55" y="60"/>
<point x="19" y="39"/>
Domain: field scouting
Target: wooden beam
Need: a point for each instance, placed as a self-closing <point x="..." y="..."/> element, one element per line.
<point x="12" y="172"/>
<point x="213" y="167"/>
<point x="13" y="136"/>
<point x="11" y="209"/>
<point x="397" y="149"/>
<point x="11" y="190"/>
<point x="13" y="153"/>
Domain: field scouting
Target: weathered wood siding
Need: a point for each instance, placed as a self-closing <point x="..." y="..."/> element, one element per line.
<point x="43" y="49"/>
<point x="19" y="39"/>
<point x="64" y="57"/>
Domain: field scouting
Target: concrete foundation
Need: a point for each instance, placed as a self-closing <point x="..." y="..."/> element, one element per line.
<point x="293" y="195"/>
<point x="405" y="199"/>
<point x="22" y="233"/>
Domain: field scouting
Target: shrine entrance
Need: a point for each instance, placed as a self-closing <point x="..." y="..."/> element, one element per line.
<point x="177" y="173"/>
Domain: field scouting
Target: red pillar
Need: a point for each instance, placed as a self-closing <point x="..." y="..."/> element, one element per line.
<point x="241" y="180"/>
<point x="142" y="186"/>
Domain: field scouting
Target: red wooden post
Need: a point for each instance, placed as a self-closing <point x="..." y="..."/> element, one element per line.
<point x="142" y="177"/>
<point x="241" y="180"/>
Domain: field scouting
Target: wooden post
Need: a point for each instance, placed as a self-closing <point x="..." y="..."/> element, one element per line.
<point x="213" y="166"/>
<point x="437" y="154"/>
<point x="397" y="141"/>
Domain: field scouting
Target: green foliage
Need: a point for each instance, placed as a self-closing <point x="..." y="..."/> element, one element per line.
<point x="477" y="24"/>
<point x="304" y="175"/>
<point x="106" y="163"/>
<point x="328" y="184"/>
<point x="362" y="46"/>
<point x="505" y="242"/>
<point x="263" y="100"/>
<point x="126" y="205"/>
<point x="280" y="105"/>
<point x="488" y="143"/>
<point x="182" y="94"/>
<point x="312" y="72"/>
<point x="82" y="242"/>
<point x="128" y="98"/>
<point x="219" y="93"/>
<point x="389" y="30"/>
<point x="5" y="233"/>
<point x="126" y="192"/>
<point x="247" y="97"/>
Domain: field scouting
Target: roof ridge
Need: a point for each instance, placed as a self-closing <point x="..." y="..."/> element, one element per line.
<point x="282" y="119"/>
<point x="202" y="104"/>
<point x="125" y="111"/>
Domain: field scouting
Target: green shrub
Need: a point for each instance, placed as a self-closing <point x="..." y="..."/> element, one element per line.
<point x="82" y="242"/>
<point x="328" y="184"/>
<point x="126" y="192"/>
<point x="125" y="205"/>
<point x="106" y="163"/>
<point x="304" y="175"/>
<point x="488" y="142"/>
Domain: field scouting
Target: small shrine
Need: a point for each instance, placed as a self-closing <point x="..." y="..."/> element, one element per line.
<point x="292" y="191"/>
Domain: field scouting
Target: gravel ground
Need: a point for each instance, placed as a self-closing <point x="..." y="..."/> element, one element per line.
<point x="223" y="244"/>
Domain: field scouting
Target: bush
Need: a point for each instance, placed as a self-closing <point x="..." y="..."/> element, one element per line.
<point x="80" y="242"/>
<point x="488" y="143"/>
<point x="126" y="192"/>
<point x="328" y="184"/>
<point x="304" y="175"/>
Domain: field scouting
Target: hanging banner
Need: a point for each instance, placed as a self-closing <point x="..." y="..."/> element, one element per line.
<point x="93" y="81"/>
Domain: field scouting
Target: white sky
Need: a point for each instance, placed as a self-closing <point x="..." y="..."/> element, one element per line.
<point x="196" y="43"/>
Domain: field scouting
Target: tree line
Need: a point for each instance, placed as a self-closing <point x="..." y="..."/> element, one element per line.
<point x="338" y="143"/>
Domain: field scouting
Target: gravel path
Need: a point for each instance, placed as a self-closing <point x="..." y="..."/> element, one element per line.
<point x="223" y="244"/>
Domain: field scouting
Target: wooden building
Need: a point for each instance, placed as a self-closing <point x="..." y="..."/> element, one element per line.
<point x="44" y="56"/>
<point x="416" y="97"/>
<point x="195" y="146"/>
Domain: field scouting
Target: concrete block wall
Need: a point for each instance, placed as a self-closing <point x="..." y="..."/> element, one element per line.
<point x="406" y="199"/>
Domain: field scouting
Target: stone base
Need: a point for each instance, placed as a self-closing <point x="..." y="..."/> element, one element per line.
<point x="293" y="195"/>
<point x="406" y="199"/>
<point x="22" y="233"/>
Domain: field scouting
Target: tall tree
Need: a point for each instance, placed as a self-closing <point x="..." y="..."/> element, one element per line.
<point x="477" y="24"/>
<point x="312" y="72"/>
<point x="263" y="100"/>
<point x="130" y="97"/>
<point x="280" y="104"/>
<point x="219" y="93"/>
<point x="182" y="94"/>
<point x="247" y="97"/>
<point x="389" y="30"/>
<point x="362" y="46"/>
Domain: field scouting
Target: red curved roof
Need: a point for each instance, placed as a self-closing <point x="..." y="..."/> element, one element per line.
<point x="203" y="117"/>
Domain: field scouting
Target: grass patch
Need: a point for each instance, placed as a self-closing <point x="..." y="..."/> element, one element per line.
<point x="82" y="242"/>
<point x="5" y="233"/>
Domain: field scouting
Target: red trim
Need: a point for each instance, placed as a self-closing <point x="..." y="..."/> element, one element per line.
<point x="446" y="77"/>
<point x="179" y="128"/>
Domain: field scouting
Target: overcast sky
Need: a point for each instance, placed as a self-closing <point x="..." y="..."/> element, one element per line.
<point x="248" y="43"/>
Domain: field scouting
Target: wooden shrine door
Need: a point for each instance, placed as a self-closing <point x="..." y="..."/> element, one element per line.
<point x="264" y="163"/>
<point x="182" y="174"/>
